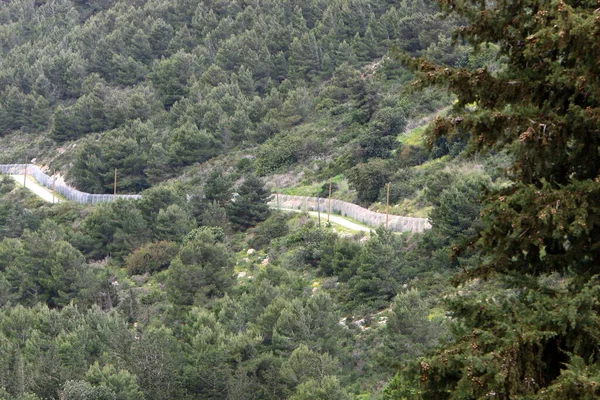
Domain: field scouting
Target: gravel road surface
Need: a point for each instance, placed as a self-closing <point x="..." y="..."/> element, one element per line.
<point x="36" y="188"/>
<point x="335" y="219"/>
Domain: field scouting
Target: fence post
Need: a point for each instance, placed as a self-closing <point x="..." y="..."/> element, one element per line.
<point x="329" y="202"/>
<point x="319" y="211"/>
<point x="25" y="174"/>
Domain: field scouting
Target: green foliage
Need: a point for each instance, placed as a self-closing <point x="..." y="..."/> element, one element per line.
<point x="125" y="149"/>
<point x="189" y="145"/>
<point x="412" y="329"/>
<point x="328" y="388"/>
<point x="458" y="214"/>
<point x="342" y="260"/>
<point x="312" y="245"/>
<point x="379" y="273"/>
<point x="385" y="126"/>
<point x="436" y="184"/>
<point x="154" y="89"/>
<point x="120" y="382"/>
<point x="151" y="257"/>
<point x="42" y="266"/>
<point x="368" y="179"/>
<point x="400" y="388"/>
<point x="218" y="188"/>
<point x="173" y="223"/>
<point x="113" y="229"/>
<point x="171" y="75"/>
<point x="81" y="390"/>
<point x="250" y="206"/>
<point x="14" y="216"/>
<point x="202" y="270"/>
<point x="156" y="363"/>
<point x="45" y="343"/>
<point x="517" y="332"/>
<point x="274" y="227"/>
<point x="182" y="69"/>
<point x="306" y="365"/>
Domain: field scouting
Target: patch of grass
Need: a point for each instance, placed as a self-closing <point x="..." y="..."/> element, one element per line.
<point x="341" y="190"/>
<point x="302" y="190"/>
<point x="340" y="228"/>
<point x="407" y="208"/>
<point x="413" y="137"/>
<point x="438" y="162"/>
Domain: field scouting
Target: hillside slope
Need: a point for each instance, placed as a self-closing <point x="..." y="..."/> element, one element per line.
<point x="198" y="290"/>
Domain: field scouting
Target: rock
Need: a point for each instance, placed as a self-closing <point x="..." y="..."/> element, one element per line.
<point x="250" y="252"/>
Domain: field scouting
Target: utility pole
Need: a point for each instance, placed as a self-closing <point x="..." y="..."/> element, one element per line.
<point x="25" y="174"/>
<point x="53" y="185"/>
<point x="329" y="202"/>
<point x="318" y="210"/>
<point x="387" y="207"/>
<point x="115" y="185"/>
<point x="277" y="194"/>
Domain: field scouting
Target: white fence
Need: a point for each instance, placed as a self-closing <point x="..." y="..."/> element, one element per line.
<point x="371" y="218"/>
<point x="61" y="188"/>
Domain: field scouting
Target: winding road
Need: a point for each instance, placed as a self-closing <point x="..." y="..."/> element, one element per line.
<point x="353" y="217"/>
<point x="335" y="219"/>
<point x="36" y="188"/>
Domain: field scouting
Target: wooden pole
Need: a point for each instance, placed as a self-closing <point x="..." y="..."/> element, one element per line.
<point x="319" y="211"/>
<point x="53" y="185"/>
<point x="277" y="194"/>
<point x="387" y="207"/>
<point x="115" y="185"/>
<point x="329" y="202"/>
<point x="25" y="175"/>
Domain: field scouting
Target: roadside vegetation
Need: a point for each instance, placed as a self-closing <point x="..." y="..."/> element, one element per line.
<point x="199" y="291"/>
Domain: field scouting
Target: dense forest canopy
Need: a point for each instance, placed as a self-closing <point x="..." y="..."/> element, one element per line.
<point x="150" y="87"/>
<point x="199" y="290"/>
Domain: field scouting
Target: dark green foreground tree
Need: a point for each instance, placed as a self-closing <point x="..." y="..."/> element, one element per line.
<point x="527" y="321"/>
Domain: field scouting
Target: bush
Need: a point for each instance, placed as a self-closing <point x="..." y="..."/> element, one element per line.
<point x="404" y="185"/>
<point x="368" y="178"/>
<point x="272" y="228"/>
<point x="7" y="184"/>
<point x="151" y="257"/>
<point x="412" y="156"/>
<point x="435" y="184"/>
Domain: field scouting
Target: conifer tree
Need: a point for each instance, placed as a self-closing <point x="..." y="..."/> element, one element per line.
<point x="527" y="316"/>
<point x="250" y="205"/>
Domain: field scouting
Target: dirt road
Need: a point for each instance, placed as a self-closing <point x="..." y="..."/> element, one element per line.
<point x="36" y="188"/>
<point x="335" y="219"/>
<point x="46" y="195"/>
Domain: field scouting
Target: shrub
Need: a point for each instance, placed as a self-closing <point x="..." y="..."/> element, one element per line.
<point x="151" y="257"/>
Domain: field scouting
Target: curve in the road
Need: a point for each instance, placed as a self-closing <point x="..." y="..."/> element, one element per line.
<point x="36" y="188"/>
<point x="370" y="218"/>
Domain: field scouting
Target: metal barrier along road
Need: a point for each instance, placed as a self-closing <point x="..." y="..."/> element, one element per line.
<point x="61" y="188"/>
<point x="396" y="223"/>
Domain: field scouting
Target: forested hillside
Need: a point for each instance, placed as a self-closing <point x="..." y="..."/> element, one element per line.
<point x="199" y="290"/>
<point x="151" y="87"/>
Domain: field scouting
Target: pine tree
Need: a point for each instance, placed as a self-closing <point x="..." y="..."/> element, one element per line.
<point x="203" y="269"/>
<point x="250" y="206"/>
<point x="527" y="327"/>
